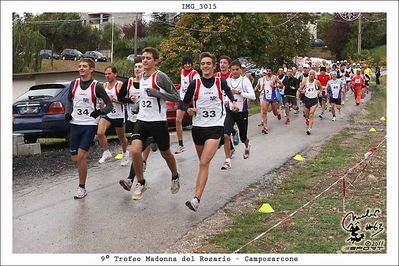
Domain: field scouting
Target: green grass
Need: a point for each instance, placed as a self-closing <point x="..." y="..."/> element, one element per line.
<point x="377" y="107"/>
<point x="317" y="228"/>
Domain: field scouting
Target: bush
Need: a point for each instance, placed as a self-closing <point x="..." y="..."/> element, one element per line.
<point x="124" y="67"/>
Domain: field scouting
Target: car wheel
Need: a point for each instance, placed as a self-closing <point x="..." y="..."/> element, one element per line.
<point x="30" y="139"/>
<point x="96" y="59"/>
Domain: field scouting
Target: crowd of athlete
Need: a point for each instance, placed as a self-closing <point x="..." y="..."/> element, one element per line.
<point x="217" y="101"/>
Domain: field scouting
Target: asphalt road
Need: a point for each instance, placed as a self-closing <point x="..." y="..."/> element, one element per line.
<point x="47" y="219"/>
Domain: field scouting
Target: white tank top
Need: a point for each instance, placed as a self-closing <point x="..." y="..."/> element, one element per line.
<point x="84" y="102"/>
<point x="133" y="108"/>
<point x="209" y="105"/>
<point x="151" y="108"/>
<point x="185" y="81"/>
<point x="311" y="90"/>
<point x="335" y="87"/>
<point x="242" y="102"/>
<point x="117" y="111"/>
<point x="268" y="87"/>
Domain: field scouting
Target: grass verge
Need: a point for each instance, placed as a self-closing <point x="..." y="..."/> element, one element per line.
<point x="317" y="228"/>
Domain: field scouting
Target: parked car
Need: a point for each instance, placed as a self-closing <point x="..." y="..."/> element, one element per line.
<point x="48" y="54"/>
<point x="316" y="43"/>
<point x="131" y="57"/>
<point x="171" y="113"/>
<point x="39" y="112"/>
<point x="95" y="55"/>
<point x="71" y="54"/>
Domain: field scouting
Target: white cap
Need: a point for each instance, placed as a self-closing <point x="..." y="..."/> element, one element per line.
<point x="306" y="65"/>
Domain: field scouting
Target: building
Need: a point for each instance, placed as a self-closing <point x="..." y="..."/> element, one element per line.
<point x="98" y="20"/>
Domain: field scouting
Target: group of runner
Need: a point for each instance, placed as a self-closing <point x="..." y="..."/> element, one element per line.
<point x="216" y="101"/>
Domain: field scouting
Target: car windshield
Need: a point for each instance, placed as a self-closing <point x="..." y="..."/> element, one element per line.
<point x="49" y="92"/>
<point x="78" y="52"/>
<point x="98" y="53"/>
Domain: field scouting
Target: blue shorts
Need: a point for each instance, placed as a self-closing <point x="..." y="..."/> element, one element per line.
<point x="80" y="137"/>
<point x="272" y="100"/>
<point x="115" y="122"/>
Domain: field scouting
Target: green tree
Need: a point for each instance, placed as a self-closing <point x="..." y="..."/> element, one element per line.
<point x="66" y="30"/>
<point x="222" y="34"/>
<point x="27" y="42"/>
<point x="160" y="23"/>
<point x="289" y="37"/>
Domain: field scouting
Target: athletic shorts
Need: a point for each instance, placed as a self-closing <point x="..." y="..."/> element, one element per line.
<point x="290" y="100"/>
<point x="116" y="122"/>
<point x="156" y="129"/>
<point x="323" y="97"/>
<point x="335" y="101"/>
<point x="81" y="137"/>
<point x="309" y="102"/>
<point x="180" y="106"/>
<point x="273" y="98"/>
<point x="201" y="134"/>
<point x="241" y="118"/>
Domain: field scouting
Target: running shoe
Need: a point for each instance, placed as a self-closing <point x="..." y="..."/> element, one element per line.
<point x="343" y="102"/>
<point x="287" y="121"/>
<point x="260" y="124"/>
<point x="80" y="193"/>
<point x="125" y="159"/>
<point x="175" y="186"/>
<point x="126" y="183"/>
<point x="179" y="149"/>
<point x="279" y="116"/>
<point x="138" y="191"/>
<point x="193" y="204"/>
<point x="334" y="118"/>
<point x="236" y="139"/>
<point x="232" y="151"/>
<point x="246" y="152"/>
<point x="265" y="130"/>
<point x="307" y="121"/>
<point x="308" y="131"/>
<point x="226" y="165"/>
<point x="296" y="111"/>
<point x="321" y="115"/>
<point x="106" y="155"/>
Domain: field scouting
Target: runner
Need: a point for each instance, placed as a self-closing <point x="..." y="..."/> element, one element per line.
<point x="311" y="88"/>
<point x="242" y="90"/>
<point x="115" y="118"/>
<point x="368" y="73"/>
<point x="290" y="89"/>
<point x="82" y="114"/>
<point x="261" y="91"/>
<point x="334" y="87"/>
<point x="357" y="83"/>
<point x="323" y="78"/>
<point x="270" y="98"/>
<point x="155" y="88"/>
<point x="130" y="94"/>
<point x="188" y="74"/>
<point x="224" y="65"/>
<point x="208" y="119"/>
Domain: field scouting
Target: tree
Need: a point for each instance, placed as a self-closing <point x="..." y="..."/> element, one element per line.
<point x="289" y="37"/>
<point x="128" y="29"/>
<point x="27" y="42"/>
<point x="160" y="23"/>
<point x="222" y="34"/>
<point x="337" y="35"/>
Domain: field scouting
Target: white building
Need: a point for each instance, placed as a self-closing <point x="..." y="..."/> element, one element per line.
<point x="99" y="19"/>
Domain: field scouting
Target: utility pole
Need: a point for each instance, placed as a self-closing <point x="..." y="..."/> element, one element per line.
<point x="359" y="36"/>
<point x="112" y="39"/>
<point x="135" y="35"/>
